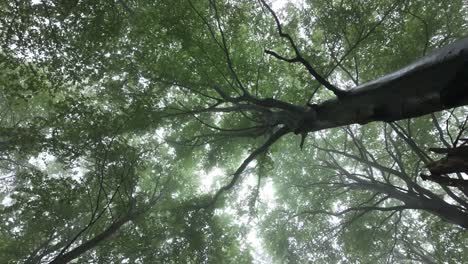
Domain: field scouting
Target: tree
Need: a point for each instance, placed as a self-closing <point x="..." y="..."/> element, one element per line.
<point x="140" y="98"/>
<point x="359" y="199"/>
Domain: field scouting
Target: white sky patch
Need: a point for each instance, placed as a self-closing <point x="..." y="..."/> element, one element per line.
<point x="337" y="207"/>
<point x="208" y="180"/>
<point x="78" y="173"/>
<point x="143" y="82"/>
<point x="161" y="134"/>
<point x="277" y="5"/>
<point x="41" y="160"/>
<point x="259" y="253"/>
<point x="267" y="193"/>
<point x="267" y="196"/>
<point x="47" y="162"/>
<point x="8" y="201"/>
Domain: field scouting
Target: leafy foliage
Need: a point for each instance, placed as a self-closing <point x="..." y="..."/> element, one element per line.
<point x="160" y="132"/>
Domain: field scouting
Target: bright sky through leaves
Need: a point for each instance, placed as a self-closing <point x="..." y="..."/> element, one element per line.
<point x="219" y="131"/>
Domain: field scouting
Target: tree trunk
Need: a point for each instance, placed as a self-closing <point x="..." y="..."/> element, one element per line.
<point x="433" y="83"/>
<point x="446" y="211"/>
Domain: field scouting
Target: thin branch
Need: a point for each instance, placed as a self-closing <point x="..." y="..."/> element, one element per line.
<point x="262" y="149"/>
<point x="358" y="42"/>
<point x="279" y="57"/>
<point x="299" y="58"/>
<point x="354" y="209"/>
<point x="362" y="38"/>
<point x="426" y="30"/>
<point x="265" y="102"/>
<point x="225" y="47"/>
<point x="460" y="133"/>
<point x="411" y="143"/>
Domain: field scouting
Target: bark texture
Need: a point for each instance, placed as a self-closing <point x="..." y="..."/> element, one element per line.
<point x="454" y="162"/>
<point x="433" y="83"/>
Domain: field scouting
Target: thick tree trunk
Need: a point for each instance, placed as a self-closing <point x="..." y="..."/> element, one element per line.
<point x="433" y="83"/>
<point x="446" y="211"/>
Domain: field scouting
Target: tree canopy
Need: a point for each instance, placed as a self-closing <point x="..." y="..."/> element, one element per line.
<point x="220" y="131"/>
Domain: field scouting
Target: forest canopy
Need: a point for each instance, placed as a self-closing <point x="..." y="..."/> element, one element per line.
<point x="233" y="131"/>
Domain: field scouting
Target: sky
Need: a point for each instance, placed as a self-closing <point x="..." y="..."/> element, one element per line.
<point x="279" y="4"/>
<point x="210" y="181"/>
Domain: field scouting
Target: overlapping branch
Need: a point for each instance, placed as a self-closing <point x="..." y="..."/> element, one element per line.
<point x="298" y="56"/>
<point x="235" y="177"/>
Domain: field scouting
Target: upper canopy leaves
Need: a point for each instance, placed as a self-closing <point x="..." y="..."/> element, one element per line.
<point x="125" y="124"/>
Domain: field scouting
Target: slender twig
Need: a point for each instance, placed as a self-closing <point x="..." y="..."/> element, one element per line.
<point x="357" y="43"/>
<point x="225" y="47"/>
<point x="262" y="149"/>
<point x="426" y="30"/>
<point x="299" y="58"/>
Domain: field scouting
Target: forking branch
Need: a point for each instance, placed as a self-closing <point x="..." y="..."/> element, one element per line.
<point x="299" y="58"/>
<point x="236" y="175"/>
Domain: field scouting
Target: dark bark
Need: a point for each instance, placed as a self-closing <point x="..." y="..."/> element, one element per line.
<point x="433" y="83"/>
<point x="438" y="207"/>
<point x="455" y="161"/>
<point x="446" y="211"/>
<point x="414" y="196"/>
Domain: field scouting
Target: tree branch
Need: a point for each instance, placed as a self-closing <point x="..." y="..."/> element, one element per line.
<point x="273" y="138"/>
<point x="299" y="58"/>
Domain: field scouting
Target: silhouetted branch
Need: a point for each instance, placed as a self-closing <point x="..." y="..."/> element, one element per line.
<point x="299" y="58"/>
<point x="262" y="149"/>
